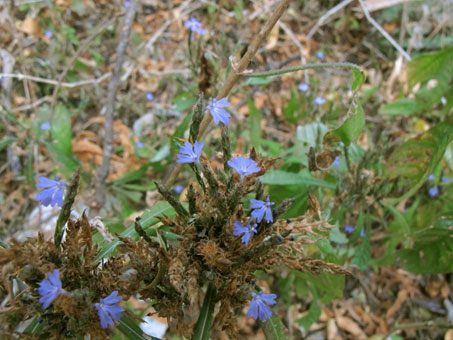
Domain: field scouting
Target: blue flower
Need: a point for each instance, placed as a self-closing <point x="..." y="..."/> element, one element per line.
<point x="189" y="153"/>
<point x="446" y="179"/>
<point x="53" y="195"/>
<point x="108" y="309"/>
<point x="239" y="229"/>
<point x="178" y="189"/>
<point x="217" y="111"/>
<point x="48" y="34"/>
<point x="362" y="232"/>
<point x="244" y="166"/>
<point x="319" y="101"/>
<point x="50" y="289"/>
<point x="139" y="145"/>
<point x="336" y="162"/>
<point x="195" y="26"/>
<point x="261" y="208"/>
<point x="349" y="228"/>
<point x="434" y="191"/>
<point x="126" y="4"/>
<point x="258" y="309"/>
<point x="44" y="126"/>
<point x="304" y="87"/>
<point x="431" y="177"/>
<point x="149" y="96"/>
<point x="320" y="55"/>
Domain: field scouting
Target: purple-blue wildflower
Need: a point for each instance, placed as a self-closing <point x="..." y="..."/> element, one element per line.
<point x="349" y="228"/>
<point x="53" y="194"/>
<point x="178" y="189"/>
<point x="320" y="55"/>
<point x="431" y="177"/>
<point x="319" y="101"/>
<point x="244" y="166"/>
<point x="44" y="126"/>
<point x="149" y="96"/>
<point x="446" y="179"/>
<point x="108" y="309"/>
<point x="49" y="289"/>
<point x="362" y="232"/>
<point x="336" y="162"/>
<point x="218" y="113"/>
<point x="139" y="145"/>
<point x="239" y="229"/>
<point x="434" y="191"/>
<point x="195" y="26"/>
<point x="261" y="208"/>
<point x="48" y="34"/>
<point x="190" y="153"/>
<point x="126" y="4"/>
<point x="304" y="87"/>
<point x="258" y="309"/>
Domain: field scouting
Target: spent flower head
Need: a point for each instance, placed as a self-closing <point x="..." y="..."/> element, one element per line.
<point x="239" y="229"/>
<point x="244" y="166"/>
<point x="258" y="308"/>
<point x="195" y="26"/>
<point x="49" y="289"/>
<point x="189" y="153"/>
<point x="218" y="113"/>
<point x="304" y="87"/>
<point x="262" y="207"/>
<point x="53" y="194"/>
<point x="108" y="310"/>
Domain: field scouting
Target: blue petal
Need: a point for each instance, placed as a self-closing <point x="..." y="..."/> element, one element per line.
<point x="112" y="298"/>
<point x="103" y="316"/>
<point x="222" y="102"/>
<point x="57" y="198"/>
<point x="264" y="311"/>
<point x="268" y="298"/>
<point x="54" y="278"/>
<point x="246" y="238"/>
<point x="239" y="229"/>
<point x="258" y="214"/>
<point x="45" y="196"/>
<point x="269" y="215"/>
<point x="114" y="311"/>
<point x="256" y="203"/>
<point x="253" y="310"/>
<point x="44" y="182"/>
<point x="47" y="299"/>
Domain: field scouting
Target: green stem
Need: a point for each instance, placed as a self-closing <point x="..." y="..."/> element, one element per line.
<point x="301" y="68"/>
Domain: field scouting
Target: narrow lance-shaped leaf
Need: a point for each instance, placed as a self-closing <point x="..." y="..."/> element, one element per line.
<point x="204" y="323"/>
<point x="65" y="211"/>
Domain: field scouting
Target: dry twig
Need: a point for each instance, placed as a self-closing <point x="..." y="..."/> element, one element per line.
<point x="103" y="170"/>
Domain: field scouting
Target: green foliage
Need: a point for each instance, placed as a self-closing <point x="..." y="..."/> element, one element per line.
<point x="435" y="65"/>
<point x="279" y="177"/>
<point x="351" y="128"/>
<point x="130" y="329"/>
<point x="204" y="323"/>
<point x="362" y="254"/>
<point x="255" y="123"/>
<point x="274" y="329"/>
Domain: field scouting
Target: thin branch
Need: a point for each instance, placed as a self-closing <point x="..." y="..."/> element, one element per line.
<point x="239" y="67"/>
<point x="21" y="76"/>
<point x="383" y="32"/>
<point x="326" y="16"/>
<point x="103" y="170"/>
<point x="83" y="46"/>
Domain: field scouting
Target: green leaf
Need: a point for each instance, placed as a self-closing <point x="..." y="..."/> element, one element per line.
<point x="358" y="77"/>
<point x="274" y="329"/>
<point x="314" y="312"/>
<point x="179" y="133"/>
<point x="289" y="112"/>
<point x="67" y="163"/>
<point x="60" y="129"/>
<point x="279" y="177"/>
<point x="351" y="128"/>
<point x="362" y="254"/>
<point x="6" y="141"/>
<point x="255" y="123"/>
<point x="417" y="158"/>
<point x="204" y="323"/>
<point x="435" y="65"/>
<point x="337" y="236"/>
<point x="148" y="219"/>
<point x="131" y="330"/>
<point x="327" y="286"/>
<point x="401" y="107"/>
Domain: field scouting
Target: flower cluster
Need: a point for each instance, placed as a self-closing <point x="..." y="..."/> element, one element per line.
<point x="107" y="308"/>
